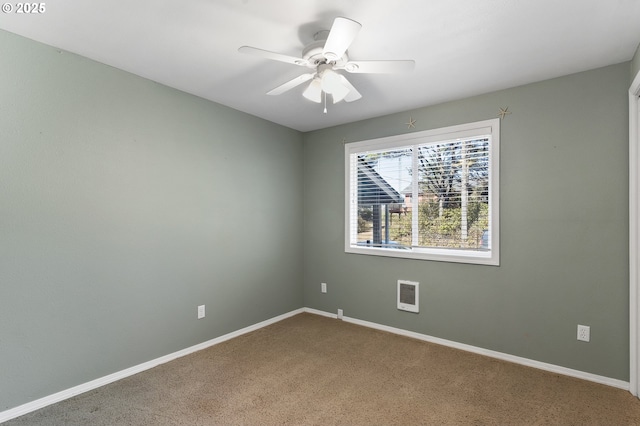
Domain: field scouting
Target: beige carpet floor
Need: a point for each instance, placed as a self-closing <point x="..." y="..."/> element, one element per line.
<point x="311" y="370"/>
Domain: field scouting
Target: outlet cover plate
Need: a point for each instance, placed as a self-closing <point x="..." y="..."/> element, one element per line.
<point x="584" y="333"/>
<point x="201" y="312"/>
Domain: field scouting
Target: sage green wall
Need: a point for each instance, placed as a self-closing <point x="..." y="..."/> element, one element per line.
<point x="563" y="218"/>
<point x="122" y="210"/>
<point x="124" y="205"/>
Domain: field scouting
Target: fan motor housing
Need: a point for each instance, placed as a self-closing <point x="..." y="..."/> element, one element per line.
<point x="314" y="56"/>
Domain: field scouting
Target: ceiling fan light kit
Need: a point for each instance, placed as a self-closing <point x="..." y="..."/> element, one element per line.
<point x="314" y="91"/>
<point x="327" y="54"/>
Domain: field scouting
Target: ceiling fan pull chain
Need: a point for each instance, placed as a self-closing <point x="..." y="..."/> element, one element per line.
<point x="325" y="102"/>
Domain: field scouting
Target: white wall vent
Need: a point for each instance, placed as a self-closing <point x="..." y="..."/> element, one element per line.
<point x="408" y="296"/>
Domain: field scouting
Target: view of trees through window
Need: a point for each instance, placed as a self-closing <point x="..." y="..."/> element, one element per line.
<point x="449" y="198"/>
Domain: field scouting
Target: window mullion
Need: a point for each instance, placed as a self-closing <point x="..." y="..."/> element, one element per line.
<point x="353" y="199"/>
<point x="414" y="197"/>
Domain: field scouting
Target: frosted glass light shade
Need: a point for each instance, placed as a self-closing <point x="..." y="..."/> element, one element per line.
<point x="314" y="91"/>
<point x="332" y="84"/>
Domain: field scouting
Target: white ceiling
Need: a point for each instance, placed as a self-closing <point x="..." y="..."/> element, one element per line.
<point x="461" y="47"/>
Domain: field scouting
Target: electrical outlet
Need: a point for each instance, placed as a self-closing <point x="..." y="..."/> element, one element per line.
<point x="339" y="313"/>
<point x="200" y="311"/>
<point x="323" y="287"/>
<point x="584" y="333"/>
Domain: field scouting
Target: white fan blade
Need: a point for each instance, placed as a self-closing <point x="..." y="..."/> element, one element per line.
<point x="343" y="32"/>
<point x="272" y="55"/>
<point x="291" y="84"/>
<point x="379" y="67"/>
<point x="353" y="94"/>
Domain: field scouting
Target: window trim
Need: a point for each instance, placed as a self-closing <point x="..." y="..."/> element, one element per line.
<point x="487" y="127"/>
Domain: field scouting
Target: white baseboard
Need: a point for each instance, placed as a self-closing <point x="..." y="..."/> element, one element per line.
<point x="487" y="352"/>
<point x="85" y="387"/>
<point x="321" y="313"/>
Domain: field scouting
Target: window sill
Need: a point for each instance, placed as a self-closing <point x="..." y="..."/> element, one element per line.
<point x="489" y="257"/>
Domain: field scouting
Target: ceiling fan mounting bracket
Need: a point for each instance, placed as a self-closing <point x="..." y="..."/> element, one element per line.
<point x="321" y="35"/>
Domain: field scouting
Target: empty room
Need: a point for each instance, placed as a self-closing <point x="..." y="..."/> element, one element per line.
<point x="256" y="212"/>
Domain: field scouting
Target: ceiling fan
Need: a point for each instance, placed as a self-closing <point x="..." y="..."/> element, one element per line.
<point x="326" y="55"/>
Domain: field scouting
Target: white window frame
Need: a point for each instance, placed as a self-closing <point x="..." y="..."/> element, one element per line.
<point x="490" y="128"/>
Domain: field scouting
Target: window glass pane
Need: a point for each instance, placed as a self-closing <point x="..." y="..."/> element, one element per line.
<point x="384" y="185"/>
<point x="453" y="198"/>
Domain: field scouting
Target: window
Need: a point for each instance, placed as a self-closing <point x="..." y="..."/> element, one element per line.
<point x="429" y="195"/>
